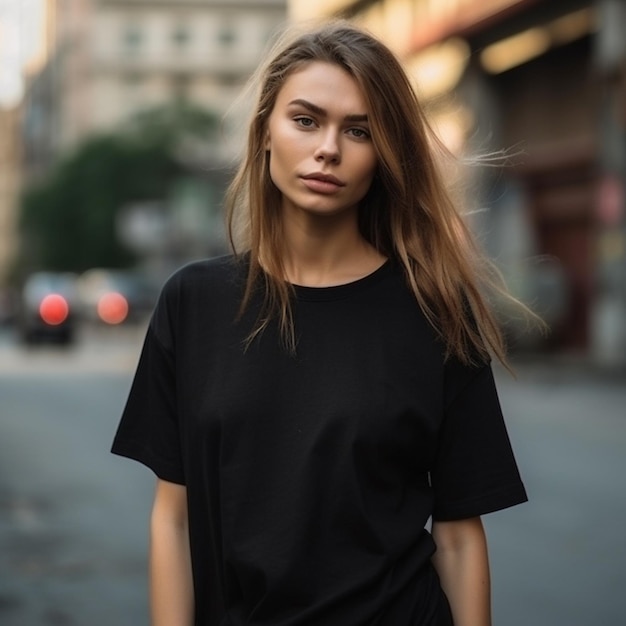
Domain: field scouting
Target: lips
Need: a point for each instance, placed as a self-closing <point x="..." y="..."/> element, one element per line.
<point x="325" y="178"/>
<point x="322" y="183"/>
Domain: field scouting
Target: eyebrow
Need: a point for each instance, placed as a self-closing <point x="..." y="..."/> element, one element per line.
<point x="322" y="112"/>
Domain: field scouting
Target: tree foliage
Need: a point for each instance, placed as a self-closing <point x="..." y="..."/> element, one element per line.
<point x="68" y="220"/>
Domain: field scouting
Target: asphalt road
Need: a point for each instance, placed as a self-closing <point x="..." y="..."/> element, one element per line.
<point x="73" y="517"/>
<point x="560" y="559"/>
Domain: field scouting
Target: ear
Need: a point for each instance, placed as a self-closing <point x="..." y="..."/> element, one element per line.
<point x="267" y="141"/>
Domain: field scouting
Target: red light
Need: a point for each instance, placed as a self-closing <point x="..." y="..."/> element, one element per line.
<point x="54" y="309"/>
<point x="112" y="308"/>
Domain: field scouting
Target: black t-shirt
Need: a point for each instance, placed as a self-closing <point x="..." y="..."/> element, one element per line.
<point x="311" y="476"/>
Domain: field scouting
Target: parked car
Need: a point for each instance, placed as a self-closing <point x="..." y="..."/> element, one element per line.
<point x="48" y="308"/>
<point x="115" y="296"/>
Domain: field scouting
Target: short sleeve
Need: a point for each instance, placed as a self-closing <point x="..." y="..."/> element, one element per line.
<point x="148" y="431"/>
<point x="475" y="471"/>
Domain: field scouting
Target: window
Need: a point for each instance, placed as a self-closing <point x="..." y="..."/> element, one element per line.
<point x="133" y="79"/>
<point x="132" y="38"/>
<point x="181" y="84"/>
<point x="181" y="36"/>
<point x="227" y="35"/>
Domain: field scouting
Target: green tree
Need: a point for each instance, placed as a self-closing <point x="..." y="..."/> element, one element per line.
<point x="68" y="220"/>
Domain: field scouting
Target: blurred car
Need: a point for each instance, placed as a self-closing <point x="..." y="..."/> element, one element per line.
<point x="9" y="298"/>
<point x="47" y="309"/>
<point x="115" y="297"/>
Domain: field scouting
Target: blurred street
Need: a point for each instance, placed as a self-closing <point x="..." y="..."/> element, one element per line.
<point x="560" y="559"/>
<point x="73" y="518"/>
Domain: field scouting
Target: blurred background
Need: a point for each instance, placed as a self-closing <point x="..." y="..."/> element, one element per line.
<point x="120" y="124"/>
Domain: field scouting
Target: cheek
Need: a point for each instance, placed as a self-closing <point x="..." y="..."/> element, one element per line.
<point x="284" y="153"/>
<point x="277" y="168"/>
<point x="368" y="168"/>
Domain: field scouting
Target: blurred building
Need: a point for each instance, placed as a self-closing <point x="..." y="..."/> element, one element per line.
<point x="110" y="59"/>
<point x="19" y="52"/>
<point x="546" y="82"/>
<point x="9" y="185"/>
<point x="106" y="61"/>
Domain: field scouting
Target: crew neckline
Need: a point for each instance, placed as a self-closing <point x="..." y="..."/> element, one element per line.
<point x="338" y="292"/>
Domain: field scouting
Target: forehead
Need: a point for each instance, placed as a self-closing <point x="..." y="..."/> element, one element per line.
<point x="325" y="84"/>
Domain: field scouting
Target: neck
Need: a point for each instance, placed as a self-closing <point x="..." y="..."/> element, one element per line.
<point x="326" y="250"/>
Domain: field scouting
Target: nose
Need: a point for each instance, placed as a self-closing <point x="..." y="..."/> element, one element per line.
<point x="328" y="150"/>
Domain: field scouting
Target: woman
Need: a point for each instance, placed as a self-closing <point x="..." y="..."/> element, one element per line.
<point x="309" y="402"/>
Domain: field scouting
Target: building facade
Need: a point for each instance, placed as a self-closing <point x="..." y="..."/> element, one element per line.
<point x="9" y="188"/>
<point x="112" y="59"/>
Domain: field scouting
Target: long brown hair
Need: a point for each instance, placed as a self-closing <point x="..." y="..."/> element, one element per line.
<point x="407" y="214"/>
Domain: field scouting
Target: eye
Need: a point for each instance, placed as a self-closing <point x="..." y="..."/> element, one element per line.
<point x="359" y="133"/>
<point x="304" y="121"/>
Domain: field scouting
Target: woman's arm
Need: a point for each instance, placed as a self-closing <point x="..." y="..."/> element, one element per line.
<point x="171" y="586"/>
<point x="462" y="563"/>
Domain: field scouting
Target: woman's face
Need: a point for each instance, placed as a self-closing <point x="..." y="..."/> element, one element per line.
<point x="321" y="155"/>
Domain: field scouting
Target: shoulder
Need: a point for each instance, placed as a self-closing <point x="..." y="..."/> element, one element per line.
<point x="201" y="289"/>
<point x="218" y="272"/>
<point x="459" y="377"/>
